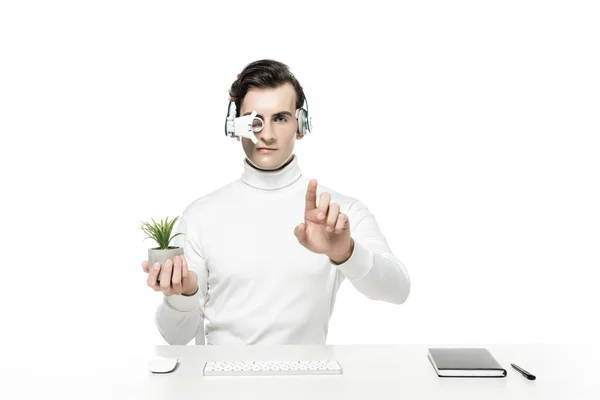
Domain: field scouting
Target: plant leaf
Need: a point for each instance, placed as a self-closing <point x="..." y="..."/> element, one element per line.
<point x="173" y="237"/>
<point x="160" y="231"/>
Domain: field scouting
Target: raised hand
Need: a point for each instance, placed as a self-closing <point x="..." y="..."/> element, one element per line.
<point x="325" y="229"/>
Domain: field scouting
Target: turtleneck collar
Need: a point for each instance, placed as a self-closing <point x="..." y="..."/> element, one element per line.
<point x="272" y="180"/>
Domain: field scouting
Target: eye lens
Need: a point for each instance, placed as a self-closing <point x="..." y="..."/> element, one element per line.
<point x="257" y="124"/>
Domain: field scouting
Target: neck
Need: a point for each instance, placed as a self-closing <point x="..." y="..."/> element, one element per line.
<point x="272" y="179"/>
<point x="286" y="162"/>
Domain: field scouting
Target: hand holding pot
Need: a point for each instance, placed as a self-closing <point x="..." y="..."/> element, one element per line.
<point x="175" y="277"/>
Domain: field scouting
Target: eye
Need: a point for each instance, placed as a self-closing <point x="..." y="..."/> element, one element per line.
<point x="283" y="118"/>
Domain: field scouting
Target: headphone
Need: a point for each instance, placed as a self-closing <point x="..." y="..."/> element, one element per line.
<point x="304" y="119"/>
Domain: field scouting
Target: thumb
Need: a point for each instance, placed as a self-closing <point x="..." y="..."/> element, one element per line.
<point x="300" y="232"/>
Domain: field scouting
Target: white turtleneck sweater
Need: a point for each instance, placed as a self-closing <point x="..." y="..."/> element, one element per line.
<point x="257" y="283"/>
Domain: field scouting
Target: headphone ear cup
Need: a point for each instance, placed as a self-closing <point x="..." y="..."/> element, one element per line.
<point x="302" y="121"/>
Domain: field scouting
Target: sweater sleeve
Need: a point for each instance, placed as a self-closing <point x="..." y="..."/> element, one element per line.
<point x="180" y="318"/>
<point x="372" y="268"/>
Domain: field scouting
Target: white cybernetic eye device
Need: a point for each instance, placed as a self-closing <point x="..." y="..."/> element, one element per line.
<point x="245" y="126"/>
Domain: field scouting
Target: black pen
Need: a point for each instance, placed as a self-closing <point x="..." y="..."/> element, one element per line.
<point x="526" y="374"/>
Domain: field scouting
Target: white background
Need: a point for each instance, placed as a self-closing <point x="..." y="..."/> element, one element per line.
<point x="469" y="129"/>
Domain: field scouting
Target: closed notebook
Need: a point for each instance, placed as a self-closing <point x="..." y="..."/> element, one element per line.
<point x="465" y="362"/>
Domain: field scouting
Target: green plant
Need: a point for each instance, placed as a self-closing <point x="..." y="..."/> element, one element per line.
<point x="160" y="231"/>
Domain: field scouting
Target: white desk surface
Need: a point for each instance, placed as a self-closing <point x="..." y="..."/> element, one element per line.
<point x="370" y="372"/>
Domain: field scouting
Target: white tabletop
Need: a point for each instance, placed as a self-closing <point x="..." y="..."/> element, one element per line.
<point x="370" y="372"/>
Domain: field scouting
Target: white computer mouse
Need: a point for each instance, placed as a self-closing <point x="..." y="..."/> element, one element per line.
<point x="161" y="365"/>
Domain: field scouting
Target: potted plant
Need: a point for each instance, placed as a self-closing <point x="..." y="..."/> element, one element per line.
<point x="161" y="233"/>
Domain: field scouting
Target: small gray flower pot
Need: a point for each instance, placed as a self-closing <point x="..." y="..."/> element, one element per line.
<point x="159" y="255"/>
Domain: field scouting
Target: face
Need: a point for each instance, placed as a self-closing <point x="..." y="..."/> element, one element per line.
<point x="277" y="108"/>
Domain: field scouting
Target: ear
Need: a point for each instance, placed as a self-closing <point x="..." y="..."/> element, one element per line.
<point x="299" y="136"/>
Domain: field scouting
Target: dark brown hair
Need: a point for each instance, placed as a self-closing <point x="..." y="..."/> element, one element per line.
<point x="263" y="74"/>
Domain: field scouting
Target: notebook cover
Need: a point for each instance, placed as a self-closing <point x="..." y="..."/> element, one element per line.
<point x="464" y="359"/>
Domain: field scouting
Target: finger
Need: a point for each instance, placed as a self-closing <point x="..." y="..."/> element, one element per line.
<point x="342" y="223"/>
<point x="311" y="195"/>
<point x="332" y="216"/>
<point x="176" y="281"/>
<point x="145" y="265"/>
<point x="153" y="275"/>
<point x="300" y="232"/>
<point x="165" y="277"/>
<point x="184" y="268"/>
<point x="324" y="200"/>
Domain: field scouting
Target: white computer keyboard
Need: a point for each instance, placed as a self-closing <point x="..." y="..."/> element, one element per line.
<point x="275" y="367"/>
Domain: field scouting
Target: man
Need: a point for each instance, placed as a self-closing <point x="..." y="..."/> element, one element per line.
<point x="263" y="258"/>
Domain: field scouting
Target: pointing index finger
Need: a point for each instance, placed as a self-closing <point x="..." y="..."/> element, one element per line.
<point x="311" y="195"/>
